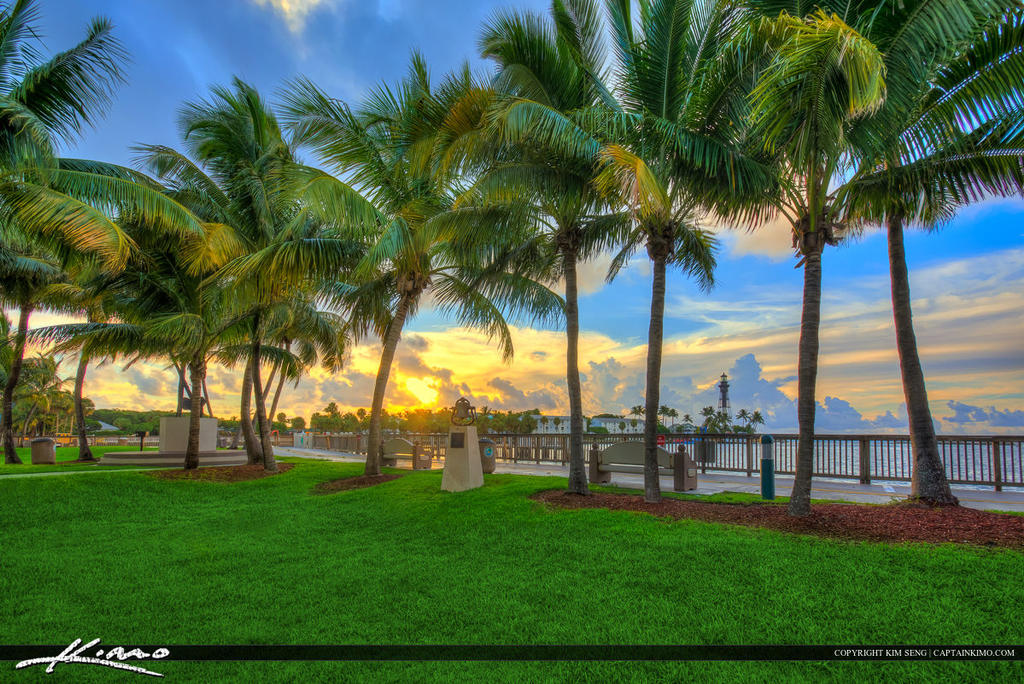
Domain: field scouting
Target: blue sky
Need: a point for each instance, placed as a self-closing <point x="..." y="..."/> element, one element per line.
<point x="967" y="277"/>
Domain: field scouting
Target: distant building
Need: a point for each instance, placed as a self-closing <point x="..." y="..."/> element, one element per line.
<point x="551" y="425"/>
<point x="723" y="394"/>
<point x="620" y="424"/>
<point x="559" y="425"/>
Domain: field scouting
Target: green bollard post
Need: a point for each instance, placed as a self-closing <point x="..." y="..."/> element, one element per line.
<point x="767" y="468"/>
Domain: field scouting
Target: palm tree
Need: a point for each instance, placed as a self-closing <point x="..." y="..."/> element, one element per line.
<point x="944" y="139"/>
<point x="6" y="349"/>
<point x="83" y="293"/>
<point x="667" y="412"/>
<point x="165" y="305"/>
<point x="40" y="391"/>
<point x="299" y="334"/>
<point x="842" y="87"/>
<point x="402" y="197"/>
<point x="24" y="278"/>
<point x="241" y="172"/>
<point x="44" y="104"/>
<point x="822" y="76"/>
<point x="677" y="155"/>
<point x="51" y="206"/>
<point x="551" y="68"/>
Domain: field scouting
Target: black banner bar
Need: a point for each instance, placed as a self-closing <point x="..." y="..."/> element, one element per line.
<point x="529" y="652"/>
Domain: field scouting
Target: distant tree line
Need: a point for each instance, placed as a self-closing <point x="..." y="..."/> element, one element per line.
<point x="331" y="419"/>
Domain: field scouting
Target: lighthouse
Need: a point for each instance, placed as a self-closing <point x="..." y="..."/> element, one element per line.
<point x="723" y="396"/>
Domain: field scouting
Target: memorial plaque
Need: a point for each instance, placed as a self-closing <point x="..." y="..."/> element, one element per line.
<point x="458" y="440"/>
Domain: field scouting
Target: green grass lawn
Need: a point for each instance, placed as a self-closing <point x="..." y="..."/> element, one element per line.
<point x="132" y="559"/>
<point x="64" y="454"/>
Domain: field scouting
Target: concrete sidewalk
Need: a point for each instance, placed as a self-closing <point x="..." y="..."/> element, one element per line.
<point x="973" y="496"/>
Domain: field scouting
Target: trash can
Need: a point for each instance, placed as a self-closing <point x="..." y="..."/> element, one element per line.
<point x="684" y="471"/>
<point x="43" y="451"/>
<point x="420" y="458"/>
<point x="487" y="462"/>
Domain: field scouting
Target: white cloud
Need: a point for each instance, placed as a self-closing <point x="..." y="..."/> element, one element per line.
<point x="773" y="239"/>
<point x="294" y="12"/>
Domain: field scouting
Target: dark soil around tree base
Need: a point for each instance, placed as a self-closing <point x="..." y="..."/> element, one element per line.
<point x="357" y="482"/>
<point x="892" y="523"/>
<point x="221" y="473"/>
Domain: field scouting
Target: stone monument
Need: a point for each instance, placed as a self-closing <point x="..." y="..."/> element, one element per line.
<point x="462" y="468"/>
<point x="174" y="442"/>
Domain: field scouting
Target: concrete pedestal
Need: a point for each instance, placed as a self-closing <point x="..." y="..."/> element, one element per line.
<point x="43" y="451"/>
<point x="174" y="442"/>
<point x="462" y="468"/>
<point x="174" y="434"/>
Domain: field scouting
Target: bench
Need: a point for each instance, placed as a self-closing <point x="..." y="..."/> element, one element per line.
<point x="628" y="457"/>
<point x="396" y="448"/>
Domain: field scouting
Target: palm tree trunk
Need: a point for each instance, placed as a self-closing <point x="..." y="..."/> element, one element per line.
<point x="181" y="388"/>
<point x="373" y="441"/>
<point x="928" y="479"/>
<point x="84" y="452"/>
<point x="252" y="448"/>
<point x="7" y="416"/>
<point x="277" y="397"/>
<point x="807" y="375"/>
<point x="652" y="482"/>
<point x="269" y="383"/>
<point x="577" y="467"/>
<point x="280" y="386"/>
<point x="269" y="464"/>
<point x="198" y="369"/>
<point x="206" y="399"/>
<point x="26" y="423"/>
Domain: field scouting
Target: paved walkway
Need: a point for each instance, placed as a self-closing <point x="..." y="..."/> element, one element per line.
<point x="974" y="496"/>
<point x="93" y="469"/>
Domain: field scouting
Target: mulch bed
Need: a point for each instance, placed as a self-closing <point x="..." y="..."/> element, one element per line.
<point x="221" y="473"/>
<point x="891" y="523"/>
<point x="358" y="482"/>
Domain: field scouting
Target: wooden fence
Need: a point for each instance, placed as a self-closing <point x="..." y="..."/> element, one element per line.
<point x="996" y="461"/>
